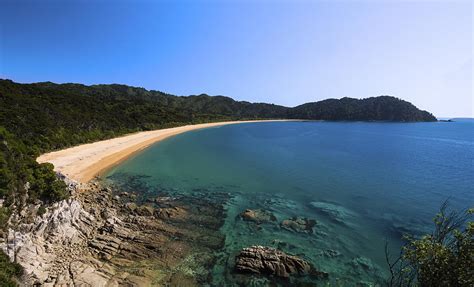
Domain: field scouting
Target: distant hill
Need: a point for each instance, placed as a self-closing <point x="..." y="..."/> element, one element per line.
<point x="383" y="108"/>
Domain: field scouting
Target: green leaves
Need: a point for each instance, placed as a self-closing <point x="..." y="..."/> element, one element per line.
<point x="443" y="258"/>
<point x="8" y="271"/>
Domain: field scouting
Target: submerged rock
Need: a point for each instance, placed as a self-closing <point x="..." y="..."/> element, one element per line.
<point x="270" y="261"/>
<point x="336" y="212"/>
<point x="298" y="224"/>
<point x="363" y="263"/>
<point x="330" y="253"/>
<point x="171" y="212"/>
<point x="258" y="215"/>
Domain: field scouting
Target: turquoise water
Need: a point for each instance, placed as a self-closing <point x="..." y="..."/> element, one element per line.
<point x="364" y="184"/>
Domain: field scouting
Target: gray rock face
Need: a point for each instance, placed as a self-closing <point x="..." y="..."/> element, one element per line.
<point x="270" y="261"/>
<point x="39" y="246"/>
<point x="94" y="239"/>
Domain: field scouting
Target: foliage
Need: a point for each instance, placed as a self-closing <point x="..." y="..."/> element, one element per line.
<point x="443" y="258"/>
<point x="48" y="116"/>
<point x="4" y="215"/>
<point x="8" y="271"/>
<point x="22" y="179"/>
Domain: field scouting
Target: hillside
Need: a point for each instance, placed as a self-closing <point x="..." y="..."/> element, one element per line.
<point x="383" y="108"/>
<point x="51" y="116"/>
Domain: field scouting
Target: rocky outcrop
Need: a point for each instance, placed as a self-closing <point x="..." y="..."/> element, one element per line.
<point x="258" y="216"/>
<point x="39" y="246"/>
<point x="270" y="261"/>
<point x="298" y="224"/>
<point x="95" y="239"/>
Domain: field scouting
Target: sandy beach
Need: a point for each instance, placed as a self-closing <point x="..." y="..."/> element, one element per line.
<point x="82" y="163"/>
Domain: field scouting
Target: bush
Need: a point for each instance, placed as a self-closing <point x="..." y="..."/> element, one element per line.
<point x="443" y="258"/>
<point x="9" y="271"/>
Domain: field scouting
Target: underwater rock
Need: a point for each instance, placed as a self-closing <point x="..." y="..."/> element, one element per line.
<point x="298" y="224"/>
<point x="336" y="212"/>
<point x="171" y="212"/>
<point x="363" y="263"/>
<point x="280" y="203"/>
<point x="257" y="215"/>
<point x="163" y="200"/>
<point x="331" y="253"/>
<point x="270" y="261"/>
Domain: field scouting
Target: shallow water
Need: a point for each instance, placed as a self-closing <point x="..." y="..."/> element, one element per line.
<point x="364" y="184"/>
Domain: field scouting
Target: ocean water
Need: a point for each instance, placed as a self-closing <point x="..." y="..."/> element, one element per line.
<point x="364" y="183"/>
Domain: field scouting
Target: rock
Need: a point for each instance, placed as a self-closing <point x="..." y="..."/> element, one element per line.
<point x="145" y="210"/>
<point x="138" y="281"/>
<point x="335" y="212"/>
<point x="131" y="206"/>
<point x="171" y="212"/>
<point x="330" y="253"/>
<point x="163" y="199"/>
<point x="257" y="215"/>
<point x="299" y="224"/>
<point x="270" y="261"/>
<point x="94" y="240"/>
<point x="363" y="263"/>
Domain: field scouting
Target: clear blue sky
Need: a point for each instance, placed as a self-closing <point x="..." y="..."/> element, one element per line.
<point x="262" y="51"/>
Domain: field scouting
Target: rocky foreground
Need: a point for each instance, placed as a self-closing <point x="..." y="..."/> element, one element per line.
<point x="271" y="261"/>
<point x="100" y="239"/>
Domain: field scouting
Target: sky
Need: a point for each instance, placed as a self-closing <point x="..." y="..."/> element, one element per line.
<point x="281" y="52"/>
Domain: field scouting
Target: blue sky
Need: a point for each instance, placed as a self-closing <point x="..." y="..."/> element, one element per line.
<point x="282" y="52"/>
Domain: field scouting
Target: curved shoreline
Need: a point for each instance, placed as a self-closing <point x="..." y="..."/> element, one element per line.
<point x="83" y="162"/>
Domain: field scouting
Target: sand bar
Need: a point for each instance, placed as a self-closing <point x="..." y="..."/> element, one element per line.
<point x="83" y="162"/>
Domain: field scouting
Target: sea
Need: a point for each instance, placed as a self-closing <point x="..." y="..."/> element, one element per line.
<point x="365" y="184"/>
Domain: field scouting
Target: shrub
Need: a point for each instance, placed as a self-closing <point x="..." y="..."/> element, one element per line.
<point x="443" y="258"/>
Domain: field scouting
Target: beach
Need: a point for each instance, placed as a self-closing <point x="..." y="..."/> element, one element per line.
<point x="84" y="162"/>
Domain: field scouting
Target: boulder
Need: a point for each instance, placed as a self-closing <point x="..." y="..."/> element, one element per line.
<point x="270" y="261"/>
<point x="258" y="216"/>
<point x="131" y="206"/>
<point x="171" y="212"/>
<point x="145" y="210"/>
<point x="298" y="224"/>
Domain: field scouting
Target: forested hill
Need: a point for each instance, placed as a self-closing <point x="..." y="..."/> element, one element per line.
<point x="51" y="116"/>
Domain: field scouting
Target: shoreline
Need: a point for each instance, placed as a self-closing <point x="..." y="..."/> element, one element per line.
<point x="84" y="162"/>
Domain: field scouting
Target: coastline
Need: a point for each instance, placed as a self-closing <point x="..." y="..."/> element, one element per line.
<point x="84" y="162"/>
